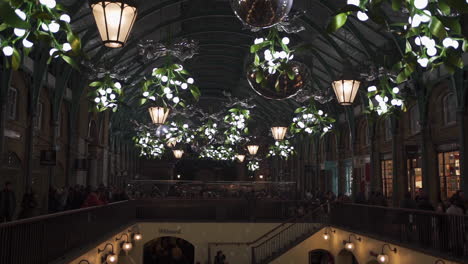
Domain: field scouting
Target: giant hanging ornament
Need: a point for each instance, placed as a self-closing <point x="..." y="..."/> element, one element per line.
<point x="273" y="74"/>
<point x="261" y="13"/>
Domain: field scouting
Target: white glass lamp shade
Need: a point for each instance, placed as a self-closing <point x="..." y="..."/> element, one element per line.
<point x="326" y="236"/>
<point x="138" y="237"/>
<point x="349" y="246"/>
<point x="114" y="20"/>
<point x="279" y="133"/>
<point x="240" y="158"/>
<point x="345" y="91"/>
<point x="382" y="258"/>
<point x="111" y="258"/>
<point x="127" y="246"/>
<point x="158" y="114"/>
<point x="253" y="149"/>
<point x="178" y="153"/>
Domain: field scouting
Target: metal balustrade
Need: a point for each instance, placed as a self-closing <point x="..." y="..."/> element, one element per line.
<point x="43" y="239"/>
<point x="46" y="238"/>
<point x="288" y="237"/>
<point x="435" y="233"/>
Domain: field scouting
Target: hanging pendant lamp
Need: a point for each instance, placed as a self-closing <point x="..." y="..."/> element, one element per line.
<point x="114" y="20"/>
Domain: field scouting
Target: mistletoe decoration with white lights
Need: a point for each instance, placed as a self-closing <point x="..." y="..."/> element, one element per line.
<point x="28" y="22"/>
<point x="311" y="120"/>
<point x="385" y="98"/>
<point x="150" y="146"/>
<point x="220" y="153"/>
<point x="236" y="122"/>
<point x="208" y="131"/>
<point x="276" y="58"/>
<point x="282" y="149"/>
<point x="179" y="133"/>
<point x="253" y="165"/>
<point x="106" y="94"/>
<point x="167" y="85"/>
<point x="432" y="31"/>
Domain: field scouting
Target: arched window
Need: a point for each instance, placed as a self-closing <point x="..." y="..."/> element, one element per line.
<point x="450" y="109"/>
<point x="12" y="103"/>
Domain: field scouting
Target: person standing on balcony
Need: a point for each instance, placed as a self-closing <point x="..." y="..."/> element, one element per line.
<point x="7" y="203"/>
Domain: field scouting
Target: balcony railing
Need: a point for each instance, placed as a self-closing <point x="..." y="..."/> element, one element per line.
<point x="46" y="238"/>
<point x="43" y="239"/>
<point x="435" y="233"/>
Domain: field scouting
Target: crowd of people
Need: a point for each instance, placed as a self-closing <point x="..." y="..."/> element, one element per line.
<point x="208" y="192"/>
<point x="457" y="204"/>
<point x="58" y="200"/>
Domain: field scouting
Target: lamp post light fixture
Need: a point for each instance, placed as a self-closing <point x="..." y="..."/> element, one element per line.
<point x="178" y="153"/>
<point x="114" y="20"/>
<point x="253" y="149"/>
<point x="346" y="88"/>
<point x="126" y="245"/>
<point x="137" y="236"/>
<point x="158" y="114"/>
<point x="328" y="231"/>
<point x="382" y="257"/>
<point x="240" y="157"/>
<point x="350" y="245"/>
<point x="111" y="257"/>
<point x="279" y="132"/>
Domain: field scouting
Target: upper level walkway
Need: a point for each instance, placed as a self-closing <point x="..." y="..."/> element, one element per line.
<point x="46" y="238"/>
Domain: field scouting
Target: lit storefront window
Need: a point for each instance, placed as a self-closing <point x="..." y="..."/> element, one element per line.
<point x="449" y="173"/>
<point x="415" y="183"/>
<point x="387" y="177"/>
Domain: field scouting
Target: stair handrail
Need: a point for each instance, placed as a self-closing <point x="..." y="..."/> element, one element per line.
<point x="312" y="213"/>
<point x="291" y="220"/>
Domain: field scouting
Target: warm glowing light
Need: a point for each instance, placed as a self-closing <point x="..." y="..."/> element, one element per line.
<point x="158" y="114"/>
<point x="279" y="132"/>
<point x="240" y="158"/>
<point x="382" y="258"/>
<point x="127" y="246"/>
<point x="114" y="19"/>
<point x="345" y="91"/>
<point x="111" y="258"/>
<point x="261" y="176"/>
<point x="178" y="153"/>
<point x="349" y="246"/>
<point x="172" y="142"/>
<point x="326" y="236"/>
<point x="137" y="236"/>
<point x="253" y="149"/>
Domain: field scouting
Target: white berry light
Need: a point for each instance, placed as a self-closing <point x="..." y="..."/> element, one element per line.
<point x="285" y="40"/>
<point x="362" y="16"/>
<point x="19" y="32"/>
<point x="27" y="43"/>
<point x="54" y="27"/>
<point x="420" y="4"/>
<point x="66" y="47"/>
<point x="65" y="18"/>
<point x="8" y="51"/>
<point x="21" y="14"/>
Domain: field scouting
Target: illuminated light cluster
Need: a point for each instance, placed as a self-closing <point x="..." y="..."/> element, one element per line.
<point x="274" y="58"/>
<point x="385" y="100"/>
<point x="311" y="121"/>
<point x="167" y="83"/>
<point x="253" y="165"/>
<point x="282" y="149"/>
<point x="222" y="153"/>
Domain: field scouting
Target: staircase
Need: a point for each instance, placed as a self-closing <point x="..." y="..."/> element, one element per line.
<point x="289" y="237"/>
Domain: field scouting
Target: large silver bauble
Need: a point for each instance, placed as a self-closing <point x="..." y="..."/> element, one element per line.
<point x="261" y="13"/>
<point x="286" y="88"/>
